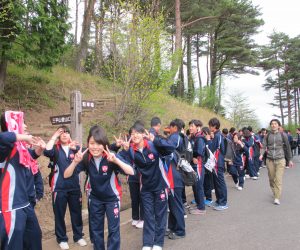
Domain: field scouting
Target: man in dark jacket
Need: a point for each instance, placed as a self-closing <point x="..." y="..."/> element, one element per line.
<point x="278" y="148"/>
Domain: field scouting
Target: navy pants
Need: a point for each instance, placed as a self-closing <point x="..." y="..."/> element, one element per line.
<point x="237" y="173"/>
<point x="155" y="217"/>
<point x="98" y="209"/>
<point x="208" y="184"/>
<point x="136" y="202"/>
<point x="251" y="168"/>
<point x="16" y="225"/>
<point x="176" y="221"/>
<point x="199" y="188"/>
<point x="220" y="186"/>
<point x="60" y="200"/>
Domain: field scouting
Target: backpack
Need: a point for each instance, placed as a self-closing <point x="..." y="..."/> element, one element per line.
<point x="186" y="150"/>
<point x="294" y="144"/>
<point x="185" y="156"/>
<point x="211" y="160"/>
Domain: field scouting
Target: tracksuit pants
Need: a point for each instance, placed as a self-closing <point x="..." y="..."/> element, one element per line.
<point x="176" y="221"/>
<point x="18" y="224"/>
<point x="208" y="184"/>
<point x="98" y="210"/>
<point x="136" y="202"/>
<point x="199" y="188"/>
<point x="237" y="173"/>
<point x="251" y="168"/>
<point x="60" y="200"/>
<point x="220" y="186"/>
<point x="155" y="217"/>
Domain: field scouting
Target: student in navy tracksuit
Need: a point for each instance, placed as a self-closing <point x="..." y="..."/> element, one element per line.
<point x="198" y="144"/>
<point x="237" y="168"/>
<point x="102" y="168"/>
<point x="65" y="191"/>
<point x="216" y="145"/>
<point x="134" y="183"/>
<point x="145" y="157"/>
<point x="155" y="126"/>
<point x="249" y="142"/>
<point x="166" y="148"/>
<point x="16" y="214"/>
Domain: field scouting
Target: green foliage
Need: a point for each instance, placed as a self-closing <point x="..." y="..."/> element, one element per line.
<point x="33" y="32"/>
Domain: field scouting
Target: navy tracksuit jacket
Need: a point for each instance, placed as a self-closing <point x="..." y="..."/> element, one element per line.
<point x="237" y="169"/>
<point x="198" y="143"/>
<point x="249" y="142"/>
<point x="16" y="214"/>
<point x="65" y="191"/>
<point x="104" y="198"/>
<point x="166" y="148"/>
<point x="153" y="192"/>
<point x="216" y="145"/>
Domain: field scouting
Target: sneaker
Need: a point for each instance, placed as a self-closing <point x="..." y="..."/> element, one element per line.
<point x="186" y="205"/>
<point x="167" y="232"/>
<point x="254" y="178"/>
<point x="214" y="204"/>
<point x="197" y="212"/>
<point x="193" y="202"/>
<point x="146" y="248"/>
<point x="220" y="208"/>
<point x="258" y="174"/>
<point x="82" y="242"/>
<point x="134" y="222"/>
<point x="237" y="185"/>
<point x="276" y="202"/>
<point x="287" y="166"/>
<point x="213" y="190"/>
<point x="240" y="188"/>
<point x="174" y="236"/>
<point x="140" y="224"/>
<point x="247" y="176"/>
<point x="155" y="247"/>
<point x="185" y="215"/>
<point x="208" y="202"/>
<point x="64" y="245"/>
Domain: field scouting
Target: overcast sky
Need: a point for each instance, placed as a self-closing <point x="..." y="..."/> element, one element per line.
<point x="281" y="16"/>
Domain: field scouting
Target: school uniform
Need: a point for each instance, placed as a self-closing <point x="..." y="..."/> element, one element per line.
<point x="166" y="148"/>
<point x="198" y="144"/>
<point x="153" y="192"/>
<point x="134" y="183"/>
<point x="237" y="169"/>
<point x="35" y="190"/>
<point x="65" y="191"/>
<point x="16" y="214"/>
<point x="249" y="142"/>
<point x="104" y="198"/>
<point x="216" y="145"/>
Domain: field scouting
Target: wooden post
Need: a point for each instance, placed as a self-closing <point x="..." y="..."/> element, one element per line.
<point x="76" y="111"/>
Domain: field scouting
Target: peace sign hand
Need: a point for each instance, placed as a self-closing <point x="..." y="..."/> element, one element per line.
<point x="119" y="141"/>
<point x="148" y="135"/>
<point x="79" y="155"/>
<point x="73" y="144"/>
<point x="110" y="156"/>
<point x="126" y="143"/>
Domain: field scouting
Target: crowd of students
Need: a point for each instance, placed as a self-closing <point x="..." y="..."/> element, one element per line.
<point x="149" y="158"/>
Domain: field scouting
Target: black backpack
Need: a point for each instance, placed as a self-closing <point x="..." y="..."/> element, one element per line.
<point x="52" y="164"/>
<point x="185" y="156"/>
<point x="185" y="151"/>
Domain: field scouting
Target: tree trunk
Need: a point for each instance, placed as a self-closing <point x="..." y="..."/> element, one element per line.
<point x="3" y="68"/>
<point x="213" y="60"/>
<point x="280" y="97"/>
<point x="85" y="35"/>
<point x="191" y="88"/>
<point x="76" y="22"/>
<point x="295" y="106"/>
<point x="207" y="60"/>
<point x="288" y="98"/>
<point x="198" y="64"/>
<point x="178" y="37"/>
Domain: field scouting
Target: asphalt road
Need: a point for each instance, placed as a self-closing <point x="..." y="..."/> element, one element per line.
<point x="251" y="222"/>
